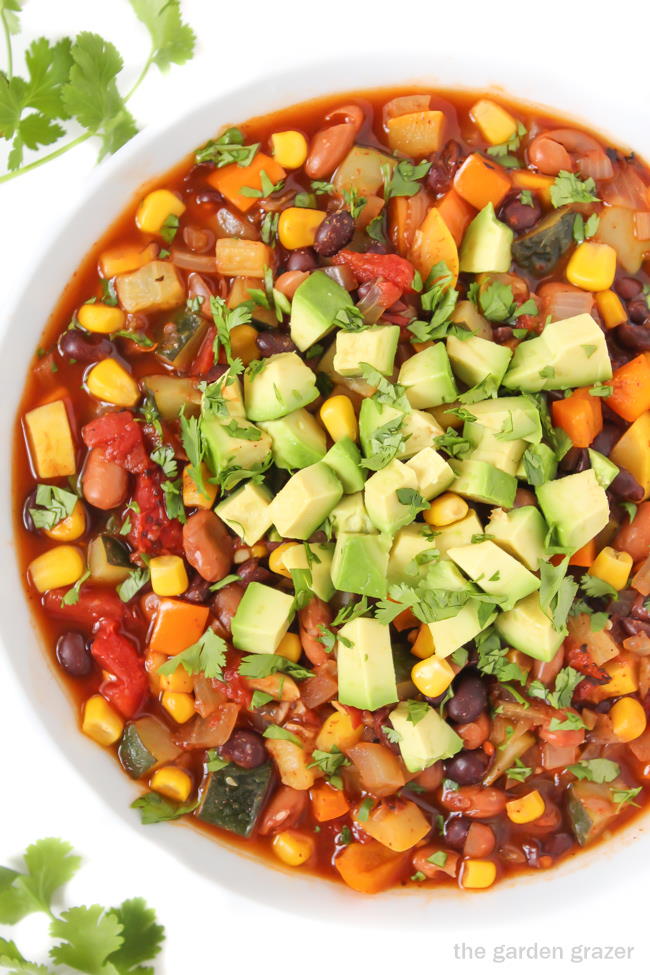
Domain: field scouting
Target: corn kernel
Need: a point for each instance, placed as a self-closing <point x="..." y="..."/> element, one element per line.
<point x="259" y="551"/>
<point x="526" y="808"/>
<point x="179" y="682"/>
<point x="100" y="722"/>
<point x="297" y="226"/>
<point x="193" y="497"/>
<point x="110" y="382"/>
<point x="168" y="575"/>
<point x="70" y="528"/>
<point x="60" y="566"/>
<point x="611" y="309"/>
<point x="338" y="732"/>
<point x="495" y="124"/>
<point x="97" y="317"/>
<point x="592" y="266"/>
<point x="612" y="567"/>
<point x="292" y="847"/>
<point x="445" y="510"/>
<point x="156" y="208"/>
<point x="478" y="874"/>
<point x="243" y="342"/>
<point x="276" y="563"/>
<point x="338" y="417"/>
<point x="290" y="647"/>
<point x="423" y="646"/>
<point x="623" y="678"/>
<point x="179" y="705"/>
<point x="174" y="783"/>
<point x="432" y="676"/>
<point x="628" y="719"/>
<point x="289" y="149"/>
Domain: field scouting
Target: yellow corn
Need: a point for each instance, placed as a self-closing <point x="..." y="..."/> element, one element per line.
<point x="611" y="309"/>
<point x="71" y="527"/>
<point x="338" y="732"/>
<point x="174" y="783"/>
<point x="526" y="808"/>
<point x="110" y="382"/>
<point x="101" y="318"/>
<point x="478" y="874"/>
<point x="168" y="575"/>
<point x="243" y="341"/>
<point x="152" y="661"/>
<point x="297" y="226"/>
<point x="100" y="722"/>
<point x="432" y="676"/>
<point x="338" y="417"/>
<point x="628" y="719"/>
<point x="423" y="646"/>
<point x="193" y="497"/>
<point x="612" y="567"/>
<point x="292" y="847"/>
<point x="276" y="562"/>
<point x="446" y="510"/>
<point x="592" y="266"/>
<point x="290" y="647"/>
<point x="156" y="208"/>
<point x="179" y="705"/>
<point x="179" y="682"/>
<point x="289" y="149"/>
<point x="495" y="124"/>
<point x="259" y="551"/>
<point x="60" y="566"/>
<point x="623" y="678"/>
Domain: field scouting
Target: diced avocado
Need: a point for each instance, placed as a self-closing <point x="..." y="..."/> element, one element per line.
<point x="316" y="303"/>
<point x="426" y="741"/>
<point x="109" y="560"/>
<point x="486" y="244"/>
<point x="408" y="544"/>
<point x="428" y="378"/>
<point x="495" y="571"/>
<point x="509" y="418"/>
<point x="350" y="515"/>
<point x="365" y="665"/>
<point x="575" y="507"/>
<point x="460" y="533"/>
<point x="568" y="353"/>
<point x="345" y="460"/>
<point x="180" y="338"/>
<point x="451" y="634"/>
<point x="319" y="564"/>
<point x="403" y="661"/>
<point x="51" y="447"/>
<point x="263" y="617"/>
<point x="603" y="468"/>
<point x="474" y="359"/>
<point x="538" y="464"/>
<point x="432" y="471"/>
<point x="590" y="809"/>
<point x="360" y="564"/>
<point x="418" y="429"/>
<point x="298" y="440"/>
<point x="356" y="384"/>
<point x="363" y="170"/>
<point x="305" y="501"/>
<point x="386" y="511"/>
<point x="479" y="481"/>
<point x="233" y="443"/>
<point x="234" y="798"/>
<point x="145" y="743"/>
<point x="520" y="532"/>
<point x="526" y="627"/>
<point x="247" y="512"/>
<point x="173" y="393"/>
<point x="542" y="247"/>
<point x="278" y="385"/>
<point x="375" y="345"/>
<point x="504" y="454"/>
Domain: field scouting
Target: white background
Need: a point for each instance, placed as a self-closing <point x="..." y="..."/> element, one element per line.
<point x="208" y="929"/>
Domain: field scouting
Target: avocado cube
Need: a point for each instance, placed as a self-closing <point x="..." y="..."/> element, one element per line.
<point x="486" y="244"/>
<point x="504" y="454"/>
<point x="460" y="533"/>
<point x="263" y="617"/>
<point x="233" y="443"/>
<point x="360" y="564"/>
<point x="319" y="564"/>
<point x="350" y="515"/>
<point x="434" y="475"/>
<point x="603" y="468"/>
<point x="386" y="511"/>
<point x="316" y="303"/>
<point x="298" y="440"/>
<point x="345" y="460"/>
<point x="280" y="385"/>
<point x="428" y="378"/>
<point x="526" y="627"/>
<point x="474" y="359"/>
<point x="366" y="669"/>
<point x="418" y="429"/>
<point x="375" y="345"/>
<point x="451" y="634"/>
<point x="247" y="512"/>
<point x="509" y="418"/>
<point x="520" y="532"/>
<point x="541" y="459"/>
<point x="408" y="544"/>
<point x="495" y="571"/>
<point x="576" y="506"/>
<point x="444" y="575"/>
<point x="305" y="501"/>
<point x="479" y="481"/>
<point x="427" y="741"/>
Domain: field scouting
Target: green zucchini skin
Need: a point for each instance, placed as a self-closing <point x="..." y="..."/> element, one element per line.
<point x="136" y="759"/>
<point x="542" y="247"/>
<point x="234" y="798"/>
<point x="588" y="819"/>
<point x="180" y="339"/>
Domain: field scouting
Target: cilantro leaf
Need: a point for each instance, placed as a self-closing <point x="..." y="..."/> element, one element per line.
<point x="172" y="41"/>
<point x="624" y="797"/>
<point x="405" y="178"/>
<point x="275" y="732"/>
<point x="597" y="588"/>
<point x="154" y="808"/>
<point x="228" y="148"/>
<point x="385" y="443"/>
<point x="134" y="582"/>
<point x="416" y="711"/>
<point x="194" y="447"/>
<point x="206" y="656"/>
<point x="330" y="763"/>
<point x="142" y="938"/>
<point x="595" y="770"/>
<point x="264" y="664"/>
<point x="492" y="658"/>
<point x="557" y="592"/>
<point x="54" y="505"/>
<point x="565" y="684"/>
<point x="49" y="863"/>
<point x="15" y="962"/>
<point x="569" y="188"/>
<point x="225" y="319"/>
<point x="90" y="935"/>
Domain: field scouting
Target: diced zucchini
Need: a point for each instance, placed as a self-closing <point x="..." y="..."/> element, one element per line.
<point x="156" y="286"/>
<point x="51" y="447"/>
<point x="590" y="810"/>
<point x="108" y="560"/>
<point x="171" y="393"/>
<point x="180" y="339"/>
<point x="145" y="743"/>
<point x="233" y="798"/>
<point x="542" y="247"/>
<point x="363" y="170"/>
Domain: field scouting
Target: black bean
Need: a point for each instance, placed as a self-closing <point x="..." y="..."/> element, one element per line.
<point x="575" y="460"/>
<point x="625" y="487"/>
<point x="72" y="654"/>
<point x="628" y="288"/>
<point x="271" y="343"/>
<point x="376" y="247"/>
<point x="244" y="748"/>
<point x="469" y="700"/>
<point x="635" y="337"/>
<point x="456" y="830"/>
<point x="302" y="259"/>
<point x="559" y="843"/>
<point x="198" y="589"/>
<point x="443" y="167"/>
<point x="335" y="232"/>
<point x="519" y="216"/>
<point x="252" y="571"/>
<point x="532" y="850"/>
<point x="75" y="344"/>
<point x="467" y="767"/>
<point x="632" y="627"/>
<point x="502" y="334"/>
<point x="638" y="311"/>
<point x="638" y="608"/>
<point x="606" y="439"/>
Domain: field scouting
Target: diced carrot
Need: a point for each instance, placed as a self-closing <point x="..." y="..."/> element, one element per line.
<point x="432" y="244"/>
<point x="457" y="214"/>
<point x="231" y="179"/>
<point x="405" y="621"/>
<point x="480" y="182"/>
<point x="177" y="626"/>
<point x="580" y="415"/>
<point x="126" y="257"/>
<point x="523" y="179"/>
<point x="369" y="867"/>
<point x="631" y="385"/>
<point x="327" y="802"/>
<point x="585" y="555"/>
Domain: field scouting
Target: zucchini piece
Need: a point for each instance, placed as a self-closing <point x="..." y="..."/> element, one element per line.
<point x="180" y="337"/>
<point x="363" y="170"/>
<point x="542" y="247"/>
<point x="233" y="798"/>
<point x="171" y="393"/>
<point x="145" y="744"/>
<point x="108" y="560"/>
<point x="590" y="810"/>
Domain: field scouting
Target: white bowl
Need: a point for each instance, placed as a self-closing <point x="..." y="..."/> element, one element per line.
<point x="105" y="196"/>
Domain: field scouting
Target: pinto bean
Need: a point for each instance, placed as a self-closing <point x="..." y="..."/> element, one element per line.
<point x="252" y="571"/>
<point x="329" y="147"/>
<point x="208" y="546"/>
<point x="524" y="497"/>
<point x="289" y="282"/>
<point x="104" y="483"/>
<point x="547" y="670"/>
<point x="635" y="538"/>
<point x="314" y="615"/>
<point x="475" y="801"/>
<point x="225" y="603"/>
<point x="480" y="841"/>
<point x="423" y="864"/>
<point x="284" y="810"/>
<point x="474" y="733"/>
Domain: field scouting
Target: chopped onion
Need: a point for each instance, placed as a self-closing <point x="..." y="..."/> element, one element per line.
<point x="558" y="756"/>
<point x="562" y="301"/>
<point x="640" y="747"/>
<point x="379" y="769"/>
<point x="626" y="188"/>
<point x="198" y="239"/>
<point x="203" y="263"/>
<point x="641" y="578"/>
<point x="639" y="643"/>
<point x="600" y="644"/>
<point x="405" y="105"/>
<point x="321" y="688"/>
<point x="342" y="275"/>
<point x="373" y="304"/>
<point x="642" y="225"/>
<point x="210" y="732"/>
<point x="208" y="697"/>
<point x="596" y="164"/>
<point x="229" y="224"/>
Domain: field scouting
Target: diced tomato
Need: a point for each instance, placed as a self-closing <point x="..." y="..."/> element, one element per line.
<point x="204" y="359"/>
<point x="152" y="531"/>
<point x="369" y="267"/>
<point x="580" y="659"/>
<point x="92" y="606"/>
<point x="116" y="653"/>
<point x="562" y="738"/>
<point x="121" y="439"/>
<point x="233" y="684"/>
